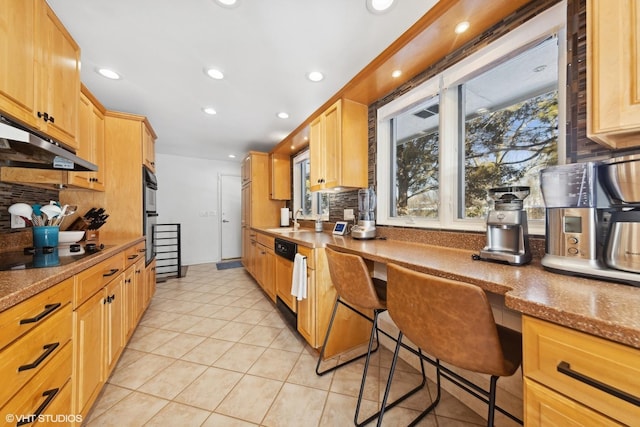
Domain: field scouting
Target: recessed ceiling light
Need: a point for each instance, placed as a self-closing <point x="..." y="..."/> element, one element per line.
<point x="214" y="73"/>
<point x="482" y="110"/>
<point x="462" y="27"/>
<point x="228" y="3"/>
<point x="110" y="74"/>
<point x="283" y="115"/>
<point x="232" y="156"/>
<point x="379" y="6"/>
<point x="539" y="68"/>
<point x="315" y="76"/>
<point x="396" y="74"/>
<point x="210" y="110"/>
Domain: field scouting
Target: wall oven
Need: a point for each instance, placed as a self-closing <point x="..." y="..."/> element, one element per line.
<point x="150" y="186"/>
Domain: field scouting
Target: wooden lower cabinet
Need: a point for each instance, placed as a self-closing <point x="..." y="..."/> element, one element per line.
<point x="88" y="359"/>
<point x="558" y="365"/>
<point x="114" y="322"/>
<point x="284" y="273"/>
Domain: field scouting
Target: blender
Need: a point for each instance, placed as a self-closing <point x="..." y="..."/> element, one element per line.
<point x="507" y="231"/>
<point x="366" y="226"/>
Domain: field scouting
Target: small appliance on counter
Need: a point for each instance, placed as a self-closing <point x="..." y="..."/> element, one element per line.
<point x="592" y="226"/>
<point x="366" y="226"/>
<point x="507" y="229"/>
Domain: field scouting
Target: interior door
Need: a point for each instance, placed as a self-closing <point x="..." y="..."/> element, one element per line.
<point x="230" y="216"/>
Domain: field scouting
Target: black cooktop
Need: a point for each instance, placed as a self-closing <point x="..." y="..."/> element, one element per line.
<point x="46" y="257"/>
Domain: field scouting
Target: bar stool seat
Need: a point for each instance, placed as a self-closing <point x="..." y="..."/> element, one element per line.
<point x="453" y="322"/>
<point x="356" y="287"/>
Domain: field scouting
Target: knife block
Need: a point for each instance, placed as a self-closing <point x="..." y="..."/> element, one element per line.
<point x="92" y="236"/>
<point x="79" y="224"/>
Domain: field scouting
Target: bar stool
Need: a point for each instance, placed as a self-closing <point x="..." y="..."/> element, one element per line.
<point x="355" y="286"/>
<point x="453" y="322"/>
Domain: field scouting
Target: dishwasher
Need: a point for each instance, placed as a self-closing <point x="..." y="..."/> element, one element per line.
<point x="285" y="302"/>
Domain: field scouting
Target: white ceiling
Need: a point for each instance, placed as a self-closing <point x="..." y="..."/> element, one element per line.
<point x="264" y="47"/>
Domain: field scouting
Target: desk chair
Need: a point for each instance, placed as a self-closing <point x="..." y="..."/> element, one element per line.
<point x="355" y="286"/>
<point x="453" y="322"/>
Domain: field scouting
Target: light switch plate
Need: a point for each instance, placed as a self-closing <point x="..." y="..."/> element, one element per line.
<point x="348" y="214"/>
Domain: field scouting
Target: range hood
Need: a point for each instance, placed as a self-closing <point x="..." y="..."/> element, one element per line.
<point x="21" y="147"/>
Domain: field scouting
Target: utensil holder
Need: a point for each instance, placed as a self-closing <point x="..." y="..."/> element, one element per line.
<point x="45" y="236"/>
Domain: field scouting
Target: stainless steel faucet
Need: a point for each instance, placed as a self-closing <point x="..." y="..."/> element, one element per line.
<point x="295" y="219"/>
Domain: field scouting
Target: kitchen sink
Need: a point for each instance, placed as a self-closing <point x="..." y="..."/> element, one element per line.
<point x="287" y="230"/>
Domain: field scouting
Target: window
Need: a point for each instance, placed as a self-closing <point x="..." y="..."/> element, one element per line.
<point x="313" y="204"/>
<point x="491" y="120"/>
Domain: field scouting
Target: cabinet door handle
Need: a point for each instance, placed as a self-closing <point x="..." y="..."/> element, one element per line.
<point x="48" y="349"/>
<point x="564" y="368"/>
<point x="50" y="395"/>
<point x="111" y="272"/>
<point x="133" y="256"/>
<point x="48" y="309"/>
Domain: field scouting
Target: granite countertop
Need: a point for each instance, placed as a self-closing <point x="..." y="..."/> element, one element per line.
<point x="605" y="309"/>
<point x="18" y="285"/>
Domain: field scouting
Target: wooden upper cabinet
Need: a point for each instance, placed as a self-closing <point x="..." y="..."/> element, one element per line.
<point x="40" y="71"/>
<point x="338" y="147"/>
<point x="91" y="147"/>
<point x="613" y="72"/>
<point x="280" y="174"/>
<point x="148" y="148"/>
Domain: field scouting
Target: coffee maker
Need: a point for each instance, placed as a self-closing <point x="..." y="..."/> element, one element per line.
<point x="366" y="226"/>
<point x="507" y="229"/>
<point x="584" y="224"/>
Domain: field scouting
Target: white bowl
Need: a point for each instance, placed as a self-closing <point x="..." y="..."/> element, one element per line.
<point x="69" y="237"/>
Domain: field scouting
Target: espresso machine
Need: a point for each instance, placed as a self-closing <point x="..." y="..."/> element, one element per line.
<point x="507" y="229"/>
<point x="366" y="226"/>
<point x="588" y="233"/>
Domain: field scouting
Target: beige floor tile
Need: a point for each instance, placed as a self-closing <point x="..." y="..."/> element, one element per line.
<point x="304" y="373"/>
<point x="261" y="335"/>
<point x="240" y="357"/>
<point x="275" y="364"/>
<point x="127" y="357"/>
<point x="275" y="320"/>
<point x="340" y="409"/>
<point x="109" y="396"/>
<point x="132" y="411"/>
<point x="206" y="326"/>
<point x="226" y="313"/>
<point x="182" y="323"/>
<point x="178" y="346"/>
<point x="232" y="331"/>
<point x="157" y="318"/>
<point x="402" y="383"/>
<point x="208" y="351"/>
<point x="225" y="299"/>
<point x="347" y="380"/>
<point x="219" y="420"/>
<point x="152" y="340"/>
<point x="140" y="371"/>
<point x="176" y="414"/>
<point x="262" y="391"/>
<point x="251" y="316"/>
<point x="288" y="340"/>
<point x="296" y="405"/>
<point x="171" y="381"/>
<point x="209" y="389"/>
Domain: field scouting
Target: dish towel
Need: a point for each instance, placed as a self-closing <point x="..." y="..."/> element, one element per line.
<point x="299" y="279"/>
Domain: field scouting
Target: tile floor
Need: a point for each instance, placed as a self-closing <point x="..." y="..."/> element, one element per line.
<point x="212" y="350"/>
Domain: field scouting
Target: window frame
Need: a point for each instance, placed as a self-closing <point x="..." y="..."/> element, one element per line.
<point x="297" y="188"/>
<point x="550" y="22"/>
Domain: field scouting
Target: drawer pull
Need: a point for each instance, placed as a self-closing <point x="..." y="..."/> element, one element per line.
<point x="111" y="272"/>
<point x="48" y="349"/>
<point x="134" y="256"/>
<point x="48" y="309"/>
<point x="565" y="368"/>
<point x="50" y="394"/>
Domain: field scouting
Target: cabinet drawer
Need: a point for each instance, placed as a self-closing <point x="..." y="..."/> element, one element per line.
<point x="95" y="278"/>
<point x="28" y="314"/>
<point x="133" y="254"/>
<point x="545" y="407"/>
<point x="302" y="250"/>
<point x="550" y="349"/>
<point x="41" y="394"/>
<point x="265" y="240"/>
<point x="22" y="360"/>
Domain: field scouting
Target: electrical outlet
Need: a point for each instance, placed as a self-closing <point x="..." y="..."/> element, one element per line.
<point x="17" y="222"/>
<point x="348" y="214"/>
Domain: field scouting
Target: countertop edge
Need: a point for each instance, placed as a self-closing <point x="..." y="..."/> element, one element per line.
<point x="33" y="287"/>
